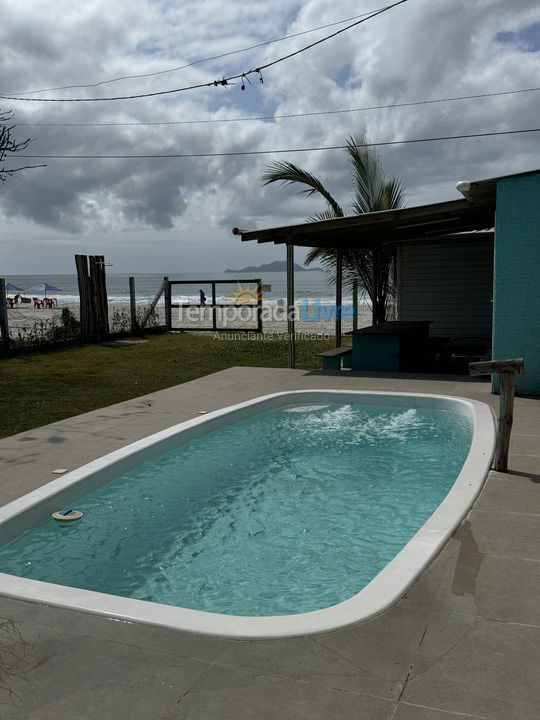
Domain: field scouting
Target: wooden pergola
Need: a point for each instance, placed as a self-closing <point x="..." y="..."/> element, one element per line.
<point x="372" y="231"/>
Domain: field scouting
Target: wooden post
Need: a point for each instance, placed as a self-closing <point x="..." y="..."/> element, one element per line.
<point x="339" y="293"/>
<point x="506" y="370"/>
<point x="355" y="304"/>
<point x="168" y="302"/>
<point x="133" y="305"/>
<point x="259" y="305"/>
<point x="85" y="314"/>
<point x="214" y="308"/>
<point x="98" y="293"/>
<point x="291" y="350"/>
<point x="375" y="270"/>
<point x="4" y="326"/>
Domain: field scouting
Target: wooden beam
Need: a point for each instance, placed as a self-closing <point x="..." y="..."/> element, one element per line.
<point x="506" y="370"/>
<point x="291" y="349"/>
<point x="375" y="266"/>
<point x="339" y="294"/>
<point x="490" y="367"/>
<point x="355" y="304"/>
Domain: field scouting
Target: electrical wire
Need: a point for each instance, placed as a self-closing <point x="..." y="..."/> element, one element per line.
<point x="216" y="83"/>
<point x="280" y="117"/>
<point x="195" y="62"/>
<point x="275" y="152"/>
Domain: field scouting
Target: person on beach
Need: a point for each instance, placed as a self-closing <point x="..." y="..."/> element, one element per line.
<point x="203" y="298"/>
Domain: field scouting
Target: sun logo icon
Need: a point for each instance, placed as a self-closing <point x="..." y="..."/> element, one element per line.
<point x="244" y="294"/>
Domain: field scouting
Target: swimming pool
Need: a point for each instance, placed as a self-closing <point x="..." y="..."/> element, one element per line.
<point x="288" y="514"/>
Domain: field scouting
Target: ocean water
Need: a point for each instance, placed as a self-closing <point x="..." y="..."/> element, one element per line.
<point x="285" y="512"/>
<point x="308" y="284"/>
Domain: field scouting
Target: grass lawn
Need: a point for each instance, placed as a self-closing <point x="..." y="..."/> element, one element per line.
<point x="46" y="387"/>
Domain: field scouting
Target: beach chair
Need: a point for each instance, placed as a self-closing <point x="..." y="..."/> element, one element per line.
<point x="37" y="303"/>
<point x="10" y="302"/>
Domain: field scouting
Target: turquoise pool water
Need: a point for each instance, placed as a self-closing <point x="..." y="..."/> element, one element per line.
<point x="288" y="511"/>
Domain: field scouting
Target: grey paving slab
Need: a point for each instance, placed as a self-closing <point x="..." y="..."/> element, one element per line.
<point x="93" y="679"/>
<point x="31" y="618"/>
<point x="227" y="694"/>
<point x="510" y="492"/>
<point x="504" y="589"/>
<point x="404" y="711"/>
<point x="478" y="668"/>
<point x="506" y="534"/>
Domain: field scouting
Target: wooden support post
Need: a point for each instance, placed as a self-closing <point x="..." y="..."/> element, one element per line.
<point x="214" y="308"/>
<point x="291" y="350"/>
<point x="168" y="302"/>
<point x="339" y="294"/>
<point x="86" y="316"/>
<point x="4" y="325"/>
<point x="259" y="306"/>
<point x="376" y="271"/>
<point x="506" y="370"/>
<point x="98" y="290"/>
<point x="374" y="286"/>
<point x="133" y="305"/>
<point x="355" y="304"/>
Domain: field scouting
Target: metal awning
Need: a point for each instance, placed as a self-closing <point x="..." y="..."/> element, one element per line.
<point x="389" y="226"/>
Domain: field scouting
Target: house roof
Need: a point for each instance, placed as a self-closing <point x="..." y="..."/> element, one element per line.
<point x="479" y="190"/>
<point x="423" y="222"/>
<point x="389" y="226"/>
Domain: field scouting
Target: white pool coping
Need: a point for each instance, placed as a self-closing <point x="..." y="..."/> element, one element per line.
<point x="382" y="592"/>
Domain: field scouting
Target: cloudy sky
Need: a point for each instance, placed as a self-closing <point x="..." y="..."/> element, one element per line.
<point x="176" y="215"/>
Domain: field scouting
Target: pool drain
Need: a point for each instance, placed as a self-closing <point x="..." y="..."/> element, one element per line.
<point x="67" y="515"/>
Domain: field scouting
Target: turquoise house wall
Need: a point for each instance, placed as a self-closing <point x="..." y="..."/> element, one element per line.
<point x="516" y="301"/>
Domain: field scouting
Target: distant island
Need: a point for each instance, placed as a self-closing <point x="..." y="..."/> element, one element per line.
<point x="276" y="266"/>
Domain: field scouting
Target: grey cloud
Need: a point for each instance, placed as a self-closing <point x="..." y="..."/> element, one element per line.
<point x="422" y="50"/>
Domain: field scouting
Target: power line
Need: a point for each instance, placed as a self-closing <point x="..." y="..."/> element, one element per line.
<point x="275" y="152"/>
<point x="216" y="83"/>
<point x="281" y="117"/>
<point x="197" y="62"/>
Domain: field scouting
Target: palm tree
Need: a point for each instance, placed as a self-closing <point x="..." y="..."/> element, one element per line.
<point x="372" y="191"/>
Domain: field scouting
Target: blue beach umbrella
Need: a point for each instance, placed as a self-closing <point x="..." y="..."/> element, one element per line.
<point x="44" y="288"/>
<point x="10" y="287"/>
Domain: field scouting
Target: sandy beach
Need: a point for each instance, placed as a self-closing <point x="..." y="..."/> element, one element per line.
<point x="24" y="318"/>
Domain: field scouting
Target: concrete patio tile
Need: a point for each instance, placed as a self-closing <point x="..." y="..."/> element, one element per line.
<point x="506" y="534"/>
<point x="476" y="667"/>
<point x="32" y="618"/>
<point x="88" y="678"/>
<point x="526" y="464"/>
<point x="382" y="648"/>
<point x="493" y="588"/>
<point x="225" y="694"/>
<point x="509" y="492"/>
<point x="525" y="444"/>
<point x="414" y="712"/>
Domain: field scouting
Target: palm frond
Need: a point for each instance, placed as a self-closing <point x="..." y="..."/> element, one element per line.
<point x="395" y="194"/>
<point x="288" y="173"/>
<point x="324" y="215"/>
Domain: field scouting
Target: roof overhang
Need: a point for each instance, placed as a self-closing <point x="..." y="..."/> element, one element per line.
<point x="387" y="227"/>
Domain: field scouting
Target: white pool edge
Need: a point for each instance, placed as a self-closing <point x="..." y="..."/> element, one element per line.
<point x="379" y="595"/>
